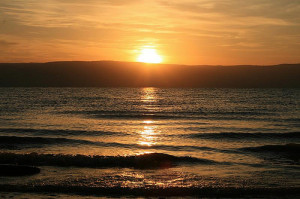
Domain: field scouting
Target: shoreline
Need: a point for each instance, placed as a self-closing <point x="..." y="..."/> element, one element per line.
<point x="154" y="192"/>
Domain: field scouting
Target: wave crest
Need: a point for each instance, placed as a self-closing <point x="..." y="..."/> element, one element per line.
<point x="143" y="161"/>
<point x="230" y="135"/>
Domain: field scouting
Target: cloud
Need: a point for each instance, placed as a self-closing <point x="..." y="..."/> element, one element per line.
<point x="7" y="43"/>
<point x="58" y="13"/>
<point x="118" y="25"/>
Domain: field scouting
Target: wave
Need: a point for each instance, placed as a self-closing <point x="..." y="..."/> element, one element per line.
<point x="291" y="148"/>
<point x="288" y="150"/>
<point x="229" y="135"/>
<point x="170" y="114"/>
<point x="60" y="132"/>
<point x="34" y="141"/>
<point x="18" y="170"/>
<point x="17" y="143"/>
<point x="288" y="135"/>
<point x="130" y="114"/>
<point x="143" y="161"/>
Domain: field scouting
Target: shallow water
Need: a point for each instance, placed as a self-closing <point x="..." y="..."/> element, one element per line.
<point x="129" y="140"/>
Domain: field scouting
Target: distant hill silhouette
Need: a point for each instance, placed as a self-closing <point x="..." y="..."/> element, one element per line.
<point x="131" y="74"/>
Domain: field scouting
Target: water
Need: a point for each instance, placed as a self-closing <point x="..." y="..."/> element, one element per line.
<point x="151" y="141"/>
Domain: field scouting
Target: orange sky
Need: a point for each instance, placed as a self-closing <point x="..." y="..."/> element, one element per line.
<point x="183" y="32"/>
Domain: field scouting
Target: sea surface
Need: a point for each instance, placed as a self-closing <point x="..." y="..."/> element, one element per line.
<point x="151" y="142"/>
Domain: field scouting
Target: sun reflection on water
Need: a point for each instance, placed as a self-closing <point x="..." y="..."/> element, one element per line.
<point x="149" y="95"/>
<point x="148" y="122"/>
<point x="148" y="135"/>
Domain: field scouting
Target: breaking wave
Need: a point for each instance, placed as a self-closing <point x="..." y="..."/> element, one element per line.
<point x="143" y="161"/>
<point x="15" y="142"/>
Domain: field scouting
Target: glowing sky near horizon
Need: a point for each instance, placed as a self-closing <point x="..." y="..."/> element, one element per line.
<point x="184" y="32"/>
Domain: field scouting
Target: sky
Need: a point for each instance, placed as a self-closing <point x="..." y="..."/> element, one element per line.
<point x="204" y="32"/>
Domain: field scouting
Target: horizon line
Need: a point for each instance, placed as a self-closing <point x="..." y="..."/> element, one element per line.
<point x="148" y="63"/>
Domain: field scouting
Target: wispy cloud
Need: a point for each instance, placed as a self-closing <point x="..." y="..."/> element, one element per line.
<point x="7" y="43"/>
<point x="118" y="25"/>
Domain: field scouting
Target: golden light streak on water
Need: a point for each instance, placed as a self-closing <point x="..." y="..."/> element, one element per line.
<point x="149" y="95"/>
<point x="148" y="136"/>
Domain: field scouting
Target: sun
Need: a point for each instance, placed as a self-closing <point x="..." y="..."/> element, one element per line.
<point x="149" y="55"/>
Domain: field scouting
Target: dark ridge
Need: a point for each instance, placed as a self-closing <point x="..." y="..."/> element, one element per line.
<point x="288" y="135"/>
<point x="290" y="151"/>
<point x="214" y="192"/>
<point x="287" y="148"/>
<point x="165" y="115"/>
<point x="59" y="132"/>
<point x="130" y="74"/>
<point x="144" y="161"/>
<point x="33" y="140"/>
<point x="131" y="115"/>
<point x="18" y="170"/>
<point x="17" y="143"/>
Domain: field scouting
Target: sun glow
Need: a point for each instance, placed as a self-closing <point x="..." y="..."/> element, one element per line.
<point x="149" y="56"/>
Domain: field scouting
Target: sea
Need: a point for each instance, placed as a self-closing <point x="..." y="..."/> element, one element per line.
<point x="151" y="142"/>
